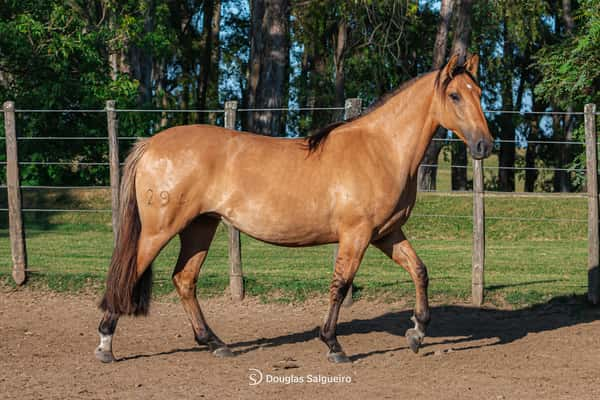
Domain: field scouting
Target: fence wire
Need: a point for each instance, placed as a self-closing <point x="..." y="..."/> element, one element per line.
<point x="299" y="109"/>
<point x="264" y="109"/>
<point x="438" y="166"/>
<point x="561" y="142"/>
<point x="417" y="215"/>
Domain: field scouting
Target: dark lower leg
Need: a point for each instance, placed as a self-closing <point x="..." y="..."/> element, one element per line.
<point x="202" y="332"/>
<point x="185" y="283"/>
<point x="327" y="333"/>
<point x="421" y="315"/>
<point x="108" y="324"/>
<point x="106" y="330"/>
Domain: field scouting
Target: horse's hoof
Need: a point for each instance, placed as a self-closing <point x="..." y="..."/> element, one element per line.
<point x="338" y="358"/>
<point x="104" y="356"/>
<point x="223" y="352"/>
<point x="414" y="338"/>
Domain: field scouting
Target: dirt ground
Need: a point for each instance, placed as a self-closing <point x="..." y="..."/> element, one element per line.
<point x="47" y="341"/>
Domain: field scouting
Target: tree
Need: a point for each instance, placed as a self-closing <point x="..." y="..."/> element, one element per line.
<point x="460" y="46"/>
<point x="428" y="173"/>
<point x="569" y="79"/>
<point x="268" y="66"/>
<point x="537" y="55"/>
<point x="512" y="33"/>
<point x="315" y="28"/>
<point x="341" y="45"/>
<point x="570" y="68"/>
<point x="140" y="57"/>
<point x="208" y="79"/>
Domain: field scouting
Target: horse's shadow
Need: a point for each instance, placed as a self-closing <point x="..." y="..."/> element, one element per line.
<point x="462" y="324"/>
<point x="458" y="324"/>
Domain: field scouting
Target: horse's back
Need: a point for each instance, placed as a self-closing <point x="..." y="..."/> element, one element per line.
<point x="262" y="185"/>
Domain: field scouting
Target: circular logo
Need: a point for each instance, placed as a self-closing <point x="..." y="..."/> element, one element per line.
<point x="255" y="376"/>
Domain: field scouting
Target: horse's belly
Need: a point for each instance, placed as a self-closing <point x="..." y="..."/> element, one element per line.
<point x="284" y="233"/>
<point x="283" y="223"/>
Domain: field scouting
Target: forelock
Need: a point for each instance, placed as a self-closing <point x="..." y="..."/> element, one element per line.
<point x="443" y="85"/>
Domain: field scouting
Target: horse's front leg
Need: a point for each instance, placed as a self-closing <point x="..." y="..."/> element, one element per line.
<point x="352" y="246"/>
<point x="397" y="247"/>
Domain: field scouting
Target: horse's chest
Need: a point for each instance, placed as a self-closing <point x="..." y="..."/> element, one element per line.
<point x="398" y="216"/>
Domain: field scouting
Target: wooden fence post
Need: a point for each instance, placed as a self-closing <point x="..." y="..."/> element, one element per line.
<point x="591" y="153"/>
<point x="236" y="276"/>
<point x="113" y="156"/>
<point x="352" y="108"/>
<point x="13" y="185"/>
<point x="477" y="281"/>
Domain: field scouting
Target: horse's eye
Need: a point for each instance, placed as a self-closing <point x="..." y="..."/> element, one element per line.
<point x="455" y="97"/>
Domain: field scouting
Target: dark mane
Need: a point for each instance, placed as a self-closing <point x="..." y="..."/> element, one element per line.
<point x="317" y="137"/>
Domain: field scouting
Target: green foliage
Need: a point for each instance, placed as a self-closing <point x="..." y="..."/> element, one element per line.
<point x="570" y="69"/>
<point x="57" y="55"/>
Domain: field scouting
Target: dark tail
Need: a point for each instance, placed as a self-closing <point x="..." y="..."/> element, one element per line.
<point x="125" y="293"/>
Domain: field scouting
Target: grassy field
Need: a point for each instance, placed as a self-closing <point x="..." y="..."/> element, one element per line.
<point x="527" y="261"/>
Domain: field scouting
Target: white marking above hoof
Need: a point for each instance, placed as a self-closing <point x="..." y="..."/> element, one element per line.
<point x="104" y="350"/>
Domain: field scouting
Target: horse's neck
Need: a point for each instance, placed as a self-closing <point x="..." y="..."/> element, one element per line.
<point x="404" y="126"/>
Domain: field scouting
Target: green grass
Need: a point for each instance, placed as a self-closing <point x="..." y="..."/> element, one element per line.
<point x="526" y="261"/>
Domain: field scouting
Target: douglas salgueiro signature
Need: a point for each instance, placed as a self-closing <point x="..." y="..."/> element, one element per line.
<point x="256" y="377"/>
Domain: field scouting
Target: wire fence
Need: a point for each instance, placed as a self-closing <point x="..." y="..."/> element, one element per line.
<point x="77" y="163"/>
<point x="439" y="166"/>
<point x="445" y="140"/>
<point x="267" y="109"/>
<point x="113" y="140"/>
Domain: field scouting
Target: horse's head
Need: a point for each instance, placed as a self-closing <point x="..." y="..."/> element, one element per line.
<point x="459" y="105"/>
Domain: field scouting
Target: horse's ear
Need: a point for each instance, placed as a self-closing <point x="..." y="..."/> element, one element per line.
<point x="448" y="71"/>
<point x="472" y="64"/>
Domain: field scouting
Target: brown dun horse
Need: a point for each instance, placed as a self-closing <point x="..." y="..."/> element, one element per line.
<point x="354" y="184"/>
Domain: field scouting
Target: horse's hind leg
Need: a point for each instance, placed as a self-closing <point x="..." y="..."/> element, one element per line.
<point x="397" y="247"/>
<point x="149" y="246"/>
<point x="195" y="241"/>
<point x="106" y="330"/>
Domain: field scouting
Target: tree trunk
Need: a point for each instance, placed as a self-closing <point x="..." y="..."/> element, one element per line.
<point x="532" y="174"/>
<point x="441" y="38"/>
<point x="530" y="155"/>
<point x="116" y="53"/>
<point x="213" y="87"/>
<point x="460" y="45"/>
<point x="5" y="79"/>
<point x="269" y="63"/>
<point x="318" y="87"/>
<point x="506" y="175"/>
<point x="562" y="179"/>
<point x="427" y="175"/>
<point x="459" y="166"/>
<point x="568" y="17"/>
<point x="184" y="100"/>
<point x="141" y="61"/>
<point x="208" y="79"/>
<point x="161" y="100"/>
<point x="338" y="60"/>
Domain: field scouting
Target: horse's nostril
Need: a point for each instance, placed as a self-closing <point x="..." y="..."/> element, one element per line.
<point x="480" y="146"/>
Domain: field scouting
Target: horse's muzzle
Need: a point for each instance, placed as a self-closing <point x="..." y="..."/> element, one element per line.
<point x="481" y="149"/>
